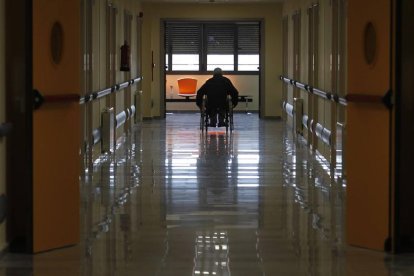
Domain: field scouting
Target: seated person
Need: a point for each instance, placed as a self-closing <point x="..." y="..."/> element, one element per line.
<point x="217" y="88"/>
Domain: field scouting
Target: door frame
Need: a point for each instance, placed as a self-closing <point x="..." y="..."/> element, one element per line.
<point x="163" y="74"/>
<point x="19" y="99"/>
<point x="402" y="191"/>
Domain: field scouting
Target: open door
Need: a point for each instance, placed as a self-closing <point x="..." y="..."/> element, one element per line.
<point x="368" y="124"/>
<point x="56" y="123"/>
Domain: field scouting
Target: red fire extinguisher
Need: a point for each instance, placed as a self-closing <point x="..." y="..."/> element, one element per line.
<point x="125" y="59"/>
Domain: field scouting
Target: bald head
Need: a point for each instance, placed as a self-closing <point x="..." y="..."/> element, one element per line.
<point x="217" y="72"/>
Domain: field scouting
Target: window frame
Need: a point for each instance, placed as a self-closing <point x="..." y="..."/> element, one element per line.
<point x="203" y="47"/>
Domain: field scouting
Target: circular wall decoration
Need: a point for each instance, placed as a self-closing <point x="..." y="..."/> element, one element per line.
<point x="56" y="42"/>
<point x="370" y="43"/>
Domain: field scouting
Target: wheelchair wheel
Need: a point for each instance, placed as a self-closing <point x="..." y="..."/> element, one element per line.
<point x="202" y="122"/>
<point x="204" y="117"/>
<point x="206" y="122"/>
<point x="227" y="120"/>
<point x="229" y="114"/>
<point x="231" y="118"/>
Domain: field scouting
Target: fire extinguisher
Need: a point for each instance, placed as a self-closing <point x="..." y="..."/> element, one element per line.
<point x="125" y="60"/>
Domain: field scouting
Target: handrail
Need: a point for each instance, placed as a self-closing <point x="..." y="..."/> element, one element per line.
<point x="363" y="98"/>
<point x="5" y="129"/>
<point x="320" y="131"/>
<point x="104" y="92"/>
<point x="65" y="98"/>
<point x="312" y="90"/>
<point x="61" y="98"/>
<point x="39" y="99"/>
<point x="387" y="99"/>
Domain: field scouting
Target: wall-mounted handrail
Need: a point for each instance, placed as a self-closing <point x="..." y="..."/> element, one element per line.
<point x="312" y="90"/>
<point x="65" y="98"/>
<point x="61" y="98"/>
<point x="39" y="99"/>
<point x="305" y="121"/>
<point x="104" y="92"/>
<point x="5" y="129"/>
<point x="97" y="135"/>
<point x="321" y="132"/>
<point x="124" y="115"/>
<point x="288" y="108"/>
<point x="120" y="118"/>
<point x="387" y="99"/>
<point x="362" y="98"/>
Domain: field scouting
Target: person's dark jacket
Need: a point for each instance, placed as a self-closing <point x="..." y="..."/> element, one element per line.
<point x="217" y="88"/>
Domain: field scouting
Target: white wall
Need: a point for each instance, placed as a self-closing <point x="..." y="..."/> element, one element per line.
<point x="245" y="84"/>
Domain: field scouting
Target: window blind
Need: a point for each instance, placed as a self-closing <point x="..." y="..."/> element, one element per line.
<point x="183" y="38"/>
<point x="248" y="38"/>
<point x="220" y="39"/>
<point x="210" y="40"/>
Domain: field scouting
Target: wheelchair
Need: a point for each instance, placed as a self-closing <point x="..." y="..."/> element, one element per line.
<point x="228" y="119"/>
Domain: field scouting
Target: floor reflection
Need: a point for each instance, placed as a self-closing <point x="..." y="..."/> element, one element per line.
<point x="174" y="201"/>
<point x="211" y="254"/>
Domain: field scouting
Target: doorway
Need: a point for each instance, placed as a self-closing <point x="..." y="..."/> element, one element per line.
<point x="403" y="230"/>
<point x="192" y="49"/>
<point x="19" y="113"/>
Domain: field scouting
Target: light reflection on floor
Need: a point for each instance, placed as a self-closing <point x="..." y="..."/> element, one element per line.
<point x="174" y="201"/>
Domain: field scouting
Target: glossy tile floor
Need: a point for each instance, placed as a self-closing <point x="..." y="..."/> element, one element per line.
<point x="173" y="201"/>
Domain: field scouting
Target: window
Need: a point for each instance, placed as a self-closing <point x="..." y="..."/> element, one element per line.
<point x="203" y="46"/>
<point x="220" y="47"/>
<point x="248" y="62"/>
<point x="248" y="38"/>
<point x="182" y="43"/>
